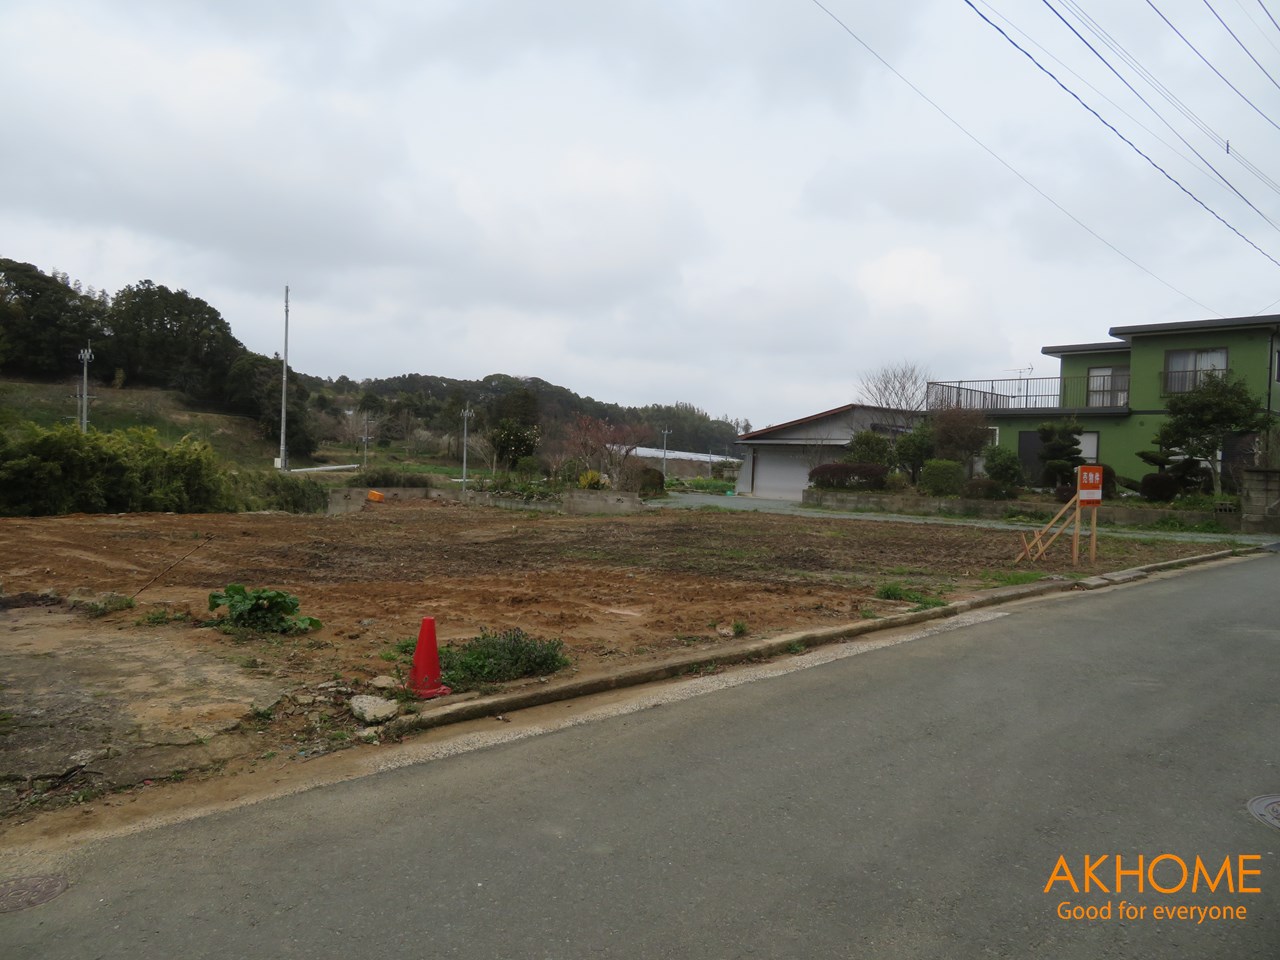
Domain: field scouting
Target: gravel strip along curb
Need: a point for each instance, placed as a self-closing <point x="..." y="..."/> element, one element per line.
<point x="763" y="649"/>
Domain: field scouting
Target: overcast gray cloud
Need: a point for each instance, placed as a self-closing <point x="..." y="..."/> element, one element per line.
<point x="728" y="202"/>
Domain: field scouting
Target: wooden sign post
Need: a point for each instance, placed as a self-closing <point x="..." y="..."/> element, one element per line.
<point x="1088" y="494"/>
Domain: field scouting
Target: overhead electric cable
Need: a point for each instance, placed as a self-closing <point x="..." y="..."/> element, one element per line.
<point x="1240" y="43"/>
<point x="1227" y="183"/>
<point x="1169" y="96"/>
<point x="1008" y="166"/>
<point x="1129" y="142"/>
<point x="1253" y="20"/>
<point x="1105" y="39"/>
<point x="1269" y="16"/>
<point x="1101" y="93"/>
<point x="1193" y="49"/>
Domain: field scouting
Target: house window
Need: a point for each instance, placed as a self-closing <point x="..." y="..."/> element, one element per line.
<point x="1184" y="369"/>
<point x="1108" y="387"/>
<point x="1089" y="446"/>
<point x="1030" y="445"/>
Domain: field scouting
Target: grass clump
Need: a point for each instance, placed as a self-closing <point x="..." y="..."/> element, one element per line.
<point x="896" y="591"/>
<point x="495" y="657"/>
<point x="101" y="606"/>
<point x="1011" y="578"/>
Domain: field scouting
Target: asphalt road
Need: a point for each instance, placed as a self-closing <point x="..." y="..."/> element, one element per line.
<point x="911" y="802"/>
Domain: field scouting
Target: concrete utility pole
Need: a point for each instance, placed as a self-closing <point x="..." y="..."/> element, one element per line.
<point x="284" y="386"/>
<point x="467" y="414"/>
<point x="86" y="355"/>
<point x="665" y="431"/>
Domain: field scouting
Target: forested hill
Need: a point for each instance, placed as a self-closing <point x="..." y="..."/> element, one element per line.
<point x="148" y="335"/>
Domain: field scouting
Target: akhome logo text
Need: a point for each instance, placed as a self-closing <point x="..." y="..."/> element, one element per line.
<point x="1157" y="877"/>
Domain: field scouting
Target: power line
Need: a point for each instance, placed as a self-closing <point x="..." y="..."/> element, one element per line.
<point x="1205" y="59"/>
<point x="1168" y="176"/>
<point x="1008" y="166"/>
<point x="1257" y="26"/>
<point x="1269" y="17"/>
<point x="1227" y="183"/>
<point x="1240" y="42"/>
<point x="1101" y="93"/>
<point x="1168" y="95"/>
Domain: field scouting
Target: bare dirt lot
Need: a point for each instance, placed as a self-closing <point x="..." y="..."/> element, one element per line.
<point x="91" y="704"/>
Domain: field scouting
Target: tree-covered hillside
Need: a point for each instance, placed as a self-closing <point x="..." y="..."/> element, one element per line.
<point x="148" y="335"/>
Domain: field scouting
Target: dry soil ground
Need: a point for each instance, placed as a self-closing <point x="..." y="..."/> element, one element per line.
<point x="91" y="705"/>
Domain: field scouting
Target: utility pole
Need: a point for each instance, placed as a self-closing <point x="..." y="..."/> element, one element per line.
<point x="665" y="431"/>
<point x="284" y="386"/>
<point x="85" y="356"/>
<point x="466" y="416"/>
<point x="365" y="438"/>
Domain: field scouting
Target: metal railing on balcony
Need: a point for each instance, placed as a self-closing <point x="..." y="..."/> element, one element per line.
<point x="1032" y="393"/>
<point x="1183" y="381"/>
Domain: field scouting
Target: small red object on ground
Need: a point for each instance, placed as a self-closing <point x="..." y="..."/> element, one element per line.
<point x="424" y="677"/>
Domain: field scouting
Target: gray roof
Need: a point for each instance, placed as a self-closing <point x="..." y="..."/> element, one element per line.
<point x="1191" y="326"/>
<point x="1106" y="346"/>
<point x="835" y="412"/>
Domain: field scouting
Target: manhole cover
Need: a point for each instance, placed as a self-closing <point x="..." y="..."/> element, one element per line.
<point x="1266" y="809"/>
<point x="29" y="892"/>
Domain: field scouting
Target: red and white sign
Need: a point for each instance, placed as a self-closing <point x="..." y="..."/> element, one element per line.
<point x="1089" y="484"/>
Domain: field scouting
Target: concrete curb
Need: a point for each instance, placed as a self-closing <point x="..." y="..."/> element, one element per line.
<point x="1141" y="573"/>
<point x="762" y="649"/>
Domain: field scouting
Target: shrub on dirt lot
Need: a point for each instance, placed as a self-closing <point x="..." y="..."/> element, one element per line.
<point x="870" y="447"/>
<point x="984" y="488"/>
<point x="497" y="657"/>
<point x="1003" y="466"/>
<point x="273" y="490"/>
<point x="49" y="472"/>
<point x="389" y="477"/>
<point x="897" y="482"/>
<point x="591" y="480"/>
<point x="528" y="468"/>
<point x="1159" y="487"/>
<point x="849" y="476"/>
<point x="262" y="610"/>
<point x="651" y="483"/>
<point x="941" y="478"/>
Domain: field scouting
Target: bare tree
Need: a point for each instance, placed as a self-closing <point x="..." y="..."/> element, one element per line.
<point x="608" y="446"/>
<point x="901" y="387"/>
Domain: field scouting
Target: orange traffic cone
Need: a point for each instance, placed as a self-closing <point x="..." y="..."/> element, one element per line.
<point x="424" y="677"/>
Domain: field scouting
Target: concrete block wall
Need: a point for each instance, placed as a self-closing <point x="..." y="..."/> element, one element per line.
<point x="1260" y="500"/>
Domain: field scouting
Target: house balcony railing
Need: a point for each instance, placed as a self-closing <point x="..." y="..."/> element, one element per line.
<point x="1032" y="394"/>
<point x="1183" y="381"/>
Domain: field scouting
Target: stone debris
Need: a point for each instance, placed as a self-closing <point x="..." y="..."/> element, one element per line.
<point x="384" y="683"/>
<point x="373" y="709"/>
<point x="369" y="735"/>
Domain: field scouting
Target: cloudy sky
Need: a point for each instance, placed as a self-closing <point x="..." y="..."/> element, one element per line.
<point x="726" y="202"/>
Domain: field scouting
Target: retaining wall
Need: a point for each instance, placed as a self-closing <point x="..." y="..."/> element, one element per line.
<point x="1260" y="501"/>
<point x="997" y="509"/>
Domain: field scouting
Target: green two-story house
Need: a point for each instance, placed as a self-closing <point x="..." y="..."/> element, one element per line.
<point x="1117" y="390"/>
